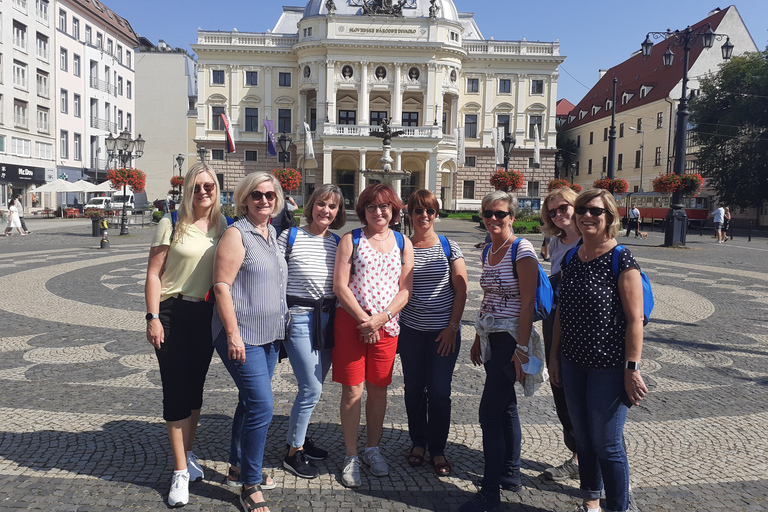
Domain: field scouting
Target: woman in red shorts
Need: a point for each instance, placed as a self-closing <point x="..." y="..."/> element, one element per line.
<point x="372" y="281"/>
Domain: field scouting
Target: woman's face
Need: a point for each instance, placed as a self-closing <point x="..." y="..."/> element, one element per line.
<point x="262" y="207"/>
<point x="324" y="211"/>
<point x="593" y="225"/>
<point x="423" y="218"/>
<point x="563" y="210"/>
<point x="494" y="225"/>
<point x="204" y="191"/>
<point x="378" y="214"/>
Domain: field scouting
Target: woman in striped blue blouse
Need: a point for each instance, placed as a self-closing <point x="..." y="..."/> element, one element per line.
<point x="430" y="333"/>
<point x="249" y="279"/>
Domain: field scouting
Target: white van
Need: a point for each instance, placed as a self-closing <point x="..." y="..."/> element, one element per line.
<point x="119" y="198"/>
<point x="98" y="203"/>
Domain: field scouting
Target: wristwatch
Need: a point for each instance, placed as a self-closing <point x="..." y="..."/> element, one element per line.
<point x="631" y="365"/>
<point x="151" y="316"/>
<point x="523" y="348"/>
<point x="454" y="328"/>
<point x="389" y="315"/>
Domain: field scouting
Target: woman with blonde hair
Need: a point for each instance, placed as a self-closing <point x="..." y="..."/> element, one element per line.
<point x="250" y="277"/>
<point x="179" y="274"/>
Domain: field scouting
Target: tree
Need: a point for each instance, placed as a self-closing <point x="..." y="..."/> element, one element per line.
<point x="731" y="126"/>
<point x="569" y="152"/>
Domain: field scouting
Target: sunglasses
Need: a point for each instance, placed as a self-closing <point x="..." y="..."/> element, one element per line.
<point x="420" y="211"/>
<point x="499" y="214"/>
<point x="593" y="211"/>
<point x="257" y="195"/>
<point x="563" y="208"/>
<point x="384" y="207"/>
<point x="208" y="187"/>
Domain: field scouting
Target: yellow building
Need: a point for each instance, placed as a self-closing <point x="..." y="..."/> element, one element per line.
<point x="352" y="64"/>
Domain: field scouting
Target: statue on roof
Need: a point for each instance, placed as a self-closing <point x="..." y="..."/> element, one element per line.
<point x="433" y="8"/>
<point x="386" y="7"/>
<point x="330" y="6"/>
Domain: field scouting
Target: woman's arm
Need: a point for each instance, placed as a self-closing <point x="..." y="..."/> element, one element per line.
<point x="554" y="351"/>
<point x="341" y="275"/>
<point x="527" y="276"/>
<point x="631" y="292"/>
<point x="226" y="264"/>
<point x="152" y="287"/>
<point x="447" y="337"/>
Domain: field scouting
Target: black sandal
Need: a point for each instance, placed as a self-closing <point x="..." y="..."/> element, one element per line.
<point x="414" y="459"/>
<point x="247" y="502"/>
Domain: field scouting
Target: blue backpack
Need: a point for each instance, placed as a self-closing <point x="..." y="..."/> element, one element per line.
<point x="544" y="296"/>
<point x="356" y="242"/>
<point x="647" y="292"/>
<point x="292" y="240"/>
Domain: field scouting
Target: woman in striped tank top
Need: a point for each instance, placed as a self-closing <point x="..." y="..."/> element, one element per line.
<point x="249" y="275"/>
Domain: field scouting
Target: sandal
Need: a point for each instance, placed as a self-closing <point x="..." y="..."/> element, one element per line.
<point x="233" y="480"/>
<point x="442" y="468"/>
<point x="247" y="502"/>
<point x="414" y="459"/>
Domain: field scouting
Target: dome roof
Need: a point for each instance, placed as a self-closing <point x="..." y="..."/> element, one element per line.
<point x="411" y="9"/>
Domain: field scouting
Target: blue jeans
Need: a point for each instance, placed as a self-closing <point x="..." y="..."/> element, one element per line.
<point x="254" y="405"/>
<point x="427" y="376"/>
<point x="310" y="368"/>
<point x="598" y="416"/>
<point x="499" y="420"/>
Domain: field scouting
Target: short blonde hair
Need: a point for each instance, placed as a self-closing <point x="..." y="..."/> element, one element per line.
<point x="613" y="222"/>
<point x="567" y="195"/>
<point x="500" y="195"/>
<point x="248" y="184"/>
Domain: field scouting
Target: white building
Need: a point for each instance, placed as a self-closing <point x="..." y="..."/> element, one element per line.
<point x="166" y="110"/>
<point x="27" y="107"/>
<point x="342" y="67"/>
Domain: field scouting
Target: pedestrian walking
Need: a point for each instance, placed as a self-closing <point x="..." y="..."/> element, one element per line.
<point x="13" y="218"/>
<point x="633" y="220"/>
<point x="179" y="274"/>
<point x="726" y="223"/>
<point x="20" y="206"/>
<point x="718" y="218"/>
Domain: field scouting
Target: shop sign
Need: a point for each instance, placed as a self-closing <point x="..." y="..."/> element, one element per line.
<point x="17" y="173"/>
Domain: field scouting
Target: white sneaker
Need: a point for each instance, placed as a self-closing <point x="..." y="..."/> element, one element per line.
<point x="350" y="472"/>
<point x="375" y="460"/>
<point x="179" y="494"/>
<point x="194" y="468"/>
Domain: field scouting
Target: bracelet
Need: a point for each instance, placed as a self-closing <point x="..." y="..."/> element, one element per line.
<point x="222" y="282"/>
<point x="389" y="315"/>
<point x="522" y="348"/>
<point x="454" y="328"/>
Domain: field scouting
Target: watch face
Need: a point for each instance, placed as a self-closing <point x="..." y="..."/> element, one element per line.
<point x="149" y="316"/>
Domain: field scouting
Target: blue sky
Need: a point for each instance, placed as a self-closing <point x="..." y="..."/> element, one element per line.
<point x="593" y="34"/>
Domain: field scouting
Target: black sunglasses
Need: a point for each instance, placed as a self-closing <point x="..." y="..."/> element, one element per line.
<point x="257" y="195"/>
<point x="499" y="214"/>
<point x="563" y="208"/>
<point x="420" y="211"/>
<point x="208" y="187"/>
<point x="593" y="211"/>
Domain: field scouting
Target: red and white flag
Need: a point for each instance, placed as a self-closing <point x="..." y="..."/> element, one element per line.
<point x="230" y="134"/>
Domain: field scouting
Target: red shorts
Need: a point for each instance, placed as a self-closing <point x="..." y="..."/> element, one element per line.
<point x="355" y="361"/>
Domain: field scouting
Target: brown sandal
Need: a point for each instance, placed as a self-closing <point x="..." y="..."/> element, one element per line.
<point x="443" y="468"/>
<point x="414" y="459"/>
<point x="247" y="502"/>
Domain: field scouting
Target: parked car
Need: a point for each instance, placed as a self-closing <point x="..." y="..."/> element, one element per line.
<point x="98" y="203"/>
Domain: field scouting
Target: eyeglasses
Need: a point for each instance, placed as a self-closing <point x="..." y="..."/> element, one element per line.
<point x="499" y="214"/>
<point x="384" y="207"/>
<point x="593" y="211"/>
<point x="208" y="187"/>
<point x="563" y="208"/>
<point x="420" y="211"/>
<point x="257" y="195"/>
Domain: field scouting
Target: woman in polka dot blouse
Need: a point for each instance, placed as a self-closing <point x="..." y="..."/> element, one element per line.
<point x="596" y="348"/>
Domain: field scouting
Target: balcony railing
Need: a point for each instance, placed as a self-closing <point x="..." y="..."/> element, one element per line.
<point x="512" y="47"/>
<point x="99" y="163"/>
<point x="103" y="124"/>
<point x="354" y="130"/>
<point x="242" y="39"/>
<point x="103" y="86"/>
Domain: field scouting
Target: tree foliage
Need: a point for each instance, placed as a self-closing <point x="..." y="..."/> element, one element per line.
<point x="731" y="119"/>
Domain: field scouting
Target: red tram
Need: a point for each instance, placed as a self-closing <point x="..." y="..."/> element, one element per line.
<point x="654" y="206"/>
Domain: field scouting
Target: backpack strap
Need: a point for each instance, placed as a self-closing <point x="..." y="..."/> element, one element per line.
<point x="174" y="215"/>
<point x="446" y="247"/>
<point x="400" y="239"/>
<point x="569" y="255"/>
<point x="615" y="260"/>
<point x="336" y="237"/>
<point x="515" y="246"/>
<point x="485" y="251"/>
<point x="291" y="240"/>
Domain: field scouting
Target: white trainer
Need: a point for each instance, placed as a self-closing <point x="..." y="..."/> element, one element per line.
<point x="193" y="466"/>
<point x="350" y="472"/>
<point x="179" y="494"/>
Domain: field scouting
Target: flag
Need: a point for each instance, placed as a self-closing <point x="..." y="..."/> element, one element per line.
<point x="309" y="149"/>
<point x="497" y="137"/>
<point x="229" y="132"/>
<point x="536" y="155"/>
<point x="271" y="142"/>
<point x="460" y="146"/>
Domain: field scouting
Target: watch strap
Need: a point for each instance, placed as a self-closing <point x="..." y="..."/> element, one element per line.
<point x="631" y="365"/>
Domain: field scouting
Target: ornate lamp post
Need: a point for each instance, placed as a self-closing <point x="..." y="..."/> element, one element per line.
<point x="508" y="144"/>
<point x="558" y="165"/>
<point x="201" y="152"/>
<point x="677" y="220"/>
<point x="285" y="142"/>
<point x="124" y="149"/>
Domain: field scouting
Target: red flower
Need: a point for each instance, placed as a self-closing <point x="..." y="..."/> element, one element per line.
<point x="290" y="179"/>
<point x="576" y="188"/>
<point x="177" y="181"/>
<point x="613" y="185"/>
<point x="666" y="183"/>
<point x="133" y="178"/>
<point x="558" y="183"/>
<point x="508" y="181"/>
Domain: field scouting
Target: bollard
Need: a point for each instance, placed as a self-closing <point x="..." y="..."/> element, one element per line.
<point x="104" y="238"/>
<point x="750" y="231"/>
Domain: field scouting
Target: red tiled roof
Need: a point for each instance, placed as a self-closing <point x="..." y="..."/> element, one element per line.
<point x="563" y="107"/>
<point x="638" y="71"/>
<point x="108" y="18"/>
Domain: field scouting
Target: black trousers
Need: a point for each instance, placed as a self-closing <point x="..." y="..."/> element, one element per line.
<point x="557" y="392"/>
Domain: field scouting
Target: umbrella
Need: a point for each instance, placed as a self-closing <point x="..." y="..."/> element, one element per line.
<point x="60" y="186"/>
<point x="103" y="187"/>
<point x="86" y="185"/>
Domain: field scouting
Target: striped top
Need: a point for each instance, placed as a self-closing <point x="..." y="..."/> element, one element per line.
<point x="376" y="280"/>
<point x="258" y="293"/>
<point x="431" y="303"/>
<point x="502" y="291"/>
<point x="310" y="267"/>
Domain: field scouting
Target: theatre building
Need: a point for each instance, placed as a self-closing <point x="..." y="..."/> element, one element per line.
<point x="343" y="66"/>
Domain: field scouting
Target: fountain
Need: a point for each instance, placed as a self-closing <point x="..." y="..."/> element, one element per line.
<point x="386" y="175"/>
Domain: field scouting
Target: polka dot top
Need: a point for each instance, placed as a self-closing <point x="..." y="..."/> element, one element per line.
<point x="591" y="316"/>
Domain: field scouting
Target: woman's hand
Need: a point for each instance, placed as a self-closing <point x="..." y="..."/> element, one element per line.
<point x="372" y="324"/>
<point x="474" y="352"/>
<point x="155" y="333"/>
<point x="554" y="372"/>
<point x="236" y="348"/>
<point x="635" y="386"/>
<point x="517" y="358"/>
<point x="447" y="341"/>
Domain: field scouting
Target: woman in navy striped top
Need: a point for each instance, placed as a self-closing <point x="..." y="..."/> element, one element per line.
<point x="249" y="276"/>
<point x="429" y="333"/>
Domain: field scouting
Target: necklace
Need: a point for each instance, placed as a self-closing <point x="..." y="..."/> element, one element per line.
<point x="260" y="228"/>
<point x="586" y="256"/>
<point x="502" y="245"/>
<point x="389" y="232"/>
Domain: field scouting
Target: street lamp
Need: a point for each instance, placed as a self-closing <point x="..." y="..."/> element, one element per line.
<point x="285" y="142"/>
<point x="508" y="143"/>
<point x="677" y="220"/>
<point x="642" y="153"/>
<point x="123" y="148"/>
<point x="201" y="152"/>
<point x="179" y="163"/>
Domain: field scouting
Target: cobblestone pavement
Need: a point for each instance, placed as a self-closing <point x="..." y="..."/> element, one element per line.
<point x="80" y="398"/>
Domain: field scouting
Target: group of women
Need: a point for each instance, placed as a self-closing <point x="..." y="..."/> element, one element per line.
<point x="354" y="302"/>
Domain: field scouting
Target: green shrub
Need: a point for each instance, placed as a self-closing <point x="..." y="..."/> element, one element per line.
<point x="536" y="229"/>
<point x="520" y="229"/>
<point x="156" y="216"/>
<point x="477" y="218"/>
<point x="443" y="214"/>
<point x="228" y="210"/>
